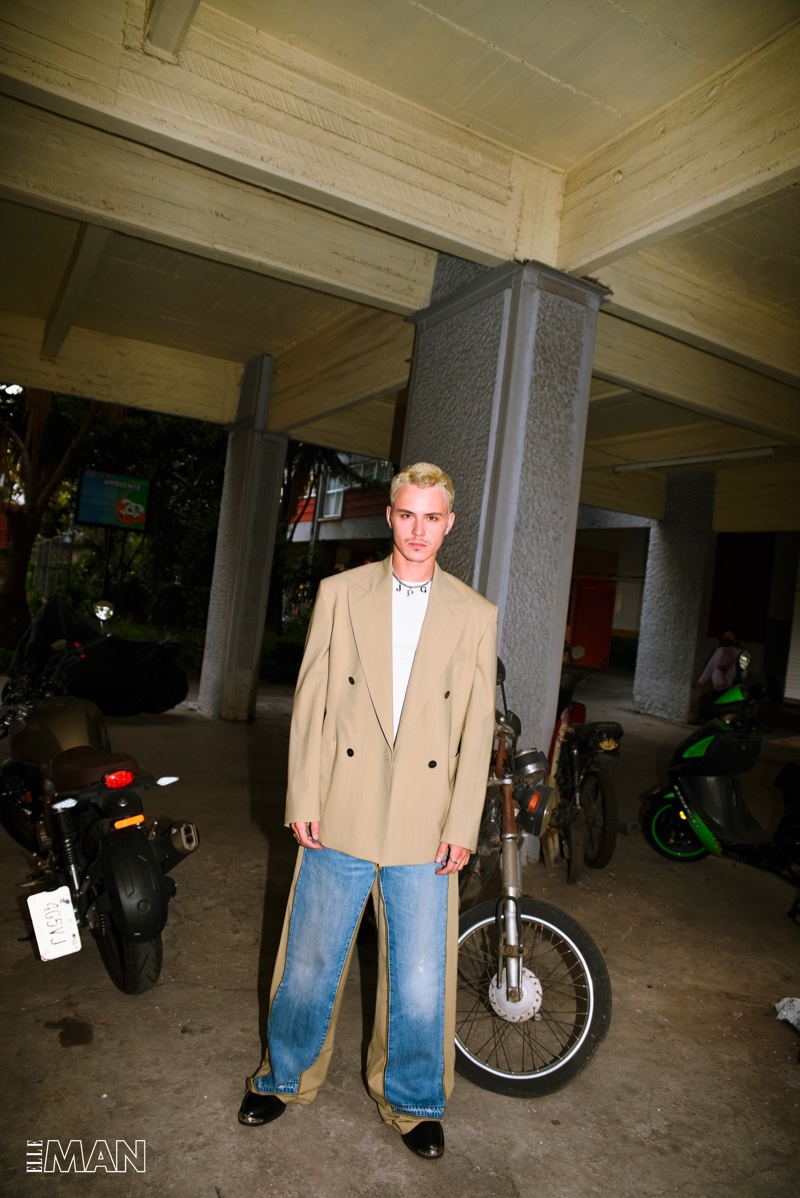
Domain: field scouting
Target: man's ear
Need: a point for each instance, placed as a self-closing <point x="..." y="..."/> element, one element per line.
<point x="451" y="519"/>
<point x="389" y="515"/>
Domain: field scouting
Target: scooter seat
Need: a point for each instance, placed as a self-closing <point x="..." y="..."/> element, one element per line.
<point x="73" y="769"/>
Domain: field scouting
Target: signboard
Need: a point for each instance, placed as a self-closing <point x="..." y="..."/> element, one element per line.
<point x="114" y="500"/>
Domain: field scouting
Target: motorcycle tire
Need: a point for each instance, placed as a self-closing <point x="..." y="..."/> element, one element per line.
<point x="574" y="845"/>
<point x="598" y="798"/>
<point x="668" y="834"/>
<point x="537" y="1053"/>
<point x="133" y="965"/>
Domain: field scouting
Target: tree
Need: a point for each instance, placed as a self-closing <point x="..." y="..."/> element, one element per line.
<point x="305" y="466"/>
<point x="39" y="440"/>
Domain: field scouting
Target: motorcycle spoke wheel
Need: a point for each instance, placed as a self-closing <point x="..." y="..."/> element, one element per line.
<point x="133" y="965"/>
<point x="670" y="836"/>
<point x="542" y="1051"/>
<point x="599" y="806"/>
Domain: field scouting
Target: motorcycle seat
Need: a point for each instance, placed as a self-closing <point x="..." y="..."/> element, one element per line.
<point x="73" y="769"/>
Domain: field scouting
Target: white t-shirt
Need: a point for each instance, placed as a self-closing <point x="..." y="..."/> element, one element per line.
<point x="409" y="604"/>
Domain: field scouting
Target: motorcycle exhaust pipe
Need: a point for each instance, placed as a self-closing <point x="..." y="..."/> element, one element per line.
<point x="176" y="842"/>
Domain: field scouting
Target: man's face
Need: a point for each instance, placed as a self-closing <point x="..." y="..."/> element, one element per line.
<point x="419" y="521"/>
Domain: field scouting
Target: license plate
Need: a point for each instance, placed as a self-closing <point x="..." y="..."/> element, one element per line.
<point x="54" y="923"/>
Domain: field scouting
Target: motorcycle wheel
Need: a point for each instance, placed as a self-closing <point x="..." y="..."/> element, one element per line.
<point x="476" y="875"/>
<point x="568" y="997"/>
<point x="668" y="834"/>
<point x="574" y="845"/>
<point x="133" y="965"/>
<point x="599" y="807"/>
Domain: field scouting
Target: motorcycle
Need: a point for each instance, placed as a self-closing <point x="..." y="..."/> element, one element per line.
<point x="533" y="999"/>
<point x="77" y="807"/>
<point x="702" y="810"/>
<point x="582" y="760"/>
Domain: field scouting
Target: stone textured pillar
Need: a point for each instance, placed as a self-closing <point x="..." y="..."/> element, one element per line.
<point x="680" y="561"/>
<point x="243" y="562"/>
<point x="499" y="396"/>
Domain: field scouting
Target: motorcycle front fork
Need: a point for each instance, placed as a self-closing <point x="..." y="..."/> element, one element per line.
<point x="509" y="928"/>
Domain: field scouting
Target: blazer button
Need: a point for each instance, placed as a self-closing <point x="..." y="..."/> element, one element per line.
<point x="447" y="694"/>
<point x="352" y="681"/>
<point x="349" y="752"/>
<point x="431" y="765"/>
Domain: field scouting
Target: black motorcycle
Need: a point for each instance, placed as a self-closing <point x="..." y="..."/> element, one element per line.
<point x="702" y="810"/>
<point x="77" y="806"/>
<point x="583" y="758"/>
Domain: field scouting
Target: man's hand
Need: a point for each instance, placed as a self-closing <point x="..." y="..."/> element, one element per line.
<point x="451" y="858"/>
<point x="307" y="835"/>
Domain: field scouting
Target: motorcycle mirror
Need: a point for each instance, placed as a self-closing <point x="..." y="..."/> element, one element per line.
<point x="59" y="645"/>
<point x="577" y="652"/>
<point x="501" y="672"/>
<point x="103" y="610"/>
<point x="744" y="660"/>
<point x="166" y="780"/>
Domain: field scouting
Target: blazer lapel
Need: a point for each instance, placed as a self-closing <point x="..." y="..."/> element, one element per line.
<point x="370" y="602"/>
<point x="441" y="631"/>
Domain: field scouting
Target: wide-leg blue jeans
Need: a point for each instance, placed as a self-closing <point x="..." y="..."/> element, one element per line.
<point x="407" y="1056"/>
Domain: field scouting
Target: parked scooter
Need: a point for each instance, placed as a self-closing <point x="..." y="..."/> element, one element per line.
<point x="582" y="760"/>
<point x="533" y="1000"/>
<point x="77" y="806"/>
<point x="702" y="810"/>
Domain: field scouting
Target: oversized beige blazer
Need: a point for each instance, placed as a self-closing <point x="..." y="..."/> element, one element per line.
<point x="393" y="803"/>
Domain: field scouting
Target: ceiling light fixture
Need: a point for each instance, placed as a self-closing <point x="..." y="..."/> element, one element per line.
<point x="735" y="455"/>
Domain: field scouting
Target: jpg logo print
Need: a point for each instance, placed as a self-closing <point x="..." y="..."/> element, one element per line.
<point x="50" y="1156"/>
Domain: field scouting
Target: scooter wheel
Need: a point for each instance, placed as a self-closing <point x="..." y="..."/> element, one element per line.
<point x="670" y="836"/>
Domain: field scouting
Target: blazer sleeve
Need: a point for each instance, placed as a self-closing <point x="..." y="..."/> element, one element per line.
<point x="469" y="789"/>
<point x="305" y="737"/>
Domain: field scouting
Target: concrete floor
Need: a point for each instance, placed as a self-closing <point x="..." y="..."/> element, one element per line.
<point x="695" y="1092"/>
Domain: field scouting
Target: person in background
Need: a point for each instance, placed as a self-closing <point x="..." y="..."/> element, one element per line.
<point x="722" y="667"/>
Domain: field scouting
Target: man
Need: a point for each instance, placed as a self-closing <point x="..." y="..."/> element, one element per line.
<point x="388" y="756"/>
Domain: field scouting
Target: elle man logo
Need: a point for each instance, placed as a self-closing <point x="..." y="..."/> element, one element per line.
<point x="48" y="1156"/>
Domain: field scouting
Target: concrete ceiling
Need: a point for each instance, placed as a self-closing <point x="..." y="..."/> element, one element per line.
<point x="187" y="185"/>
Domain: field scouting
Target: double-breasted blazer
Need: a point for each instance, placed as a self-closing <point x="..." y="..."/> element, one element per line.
<point x="393" y="801"/>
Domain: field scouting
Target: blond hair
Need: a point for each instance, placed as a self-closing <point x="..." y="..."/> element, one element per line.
<point x="423" y="474"/>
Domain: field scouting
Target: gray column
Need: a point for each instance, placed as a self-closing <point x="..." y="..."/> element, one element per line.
<point x="243" y="561"/>
<point x="676" y="593"/>
<point x="499" y="397"/>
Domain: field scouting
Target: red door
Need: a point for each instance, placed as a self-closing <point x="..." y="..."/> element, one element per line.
<point x="593" y="616"/>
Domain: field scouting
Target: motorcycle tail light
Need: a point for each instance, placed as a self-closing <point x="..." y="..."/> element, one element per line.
<point x="118" y="779"/>
<point x="129" y="821"/>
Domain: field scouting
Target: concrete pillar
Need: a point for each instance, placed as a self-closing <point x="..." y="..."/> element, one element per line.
<point x="680" y="562"/>
<point x="243" y="562"/>
<point x="498" y="398"/>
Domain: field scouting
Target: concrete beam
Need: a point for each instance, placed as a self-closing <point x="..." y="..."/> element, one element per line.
<point x="650" y="292"/>
<point x="758" y="498"/>
<point x="261" y="111"/>
<point x="642" y="360"/>
<point x="687" y="440"/>
<point x="639" y="494"/>
<point x="120" y="371"/>
<point x="62" y="166"/>
<point x="365" y="428"/>
<point x="362" y="355"/>
<point x="725" y="143"/>
<point x="85" y="255"/>
<point x="167" y="25"/>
